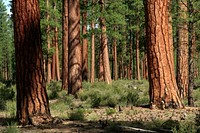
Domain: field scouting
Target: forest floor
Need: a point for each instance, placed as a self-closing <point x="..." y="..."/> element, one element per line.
<point x="119" y="119"/>
<point x="97" y="110"/>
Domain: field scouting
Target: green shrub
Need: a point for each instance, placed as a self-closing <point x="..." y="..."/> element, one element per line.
<point x="53" y="88"/>
<point x="2" y="104"/>
<point x="11" y="108"/>
<point x="110" y="111"/>
<point x="185" y="127"/>
<point x="7" y="92"/>
<point x="77" y="114"/>
<point x="12" y="128"/>
<point x="132" y="97"/>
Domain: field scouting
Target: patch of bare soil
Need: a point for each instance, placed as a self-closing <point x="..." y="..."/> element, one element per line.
<point x="126" y="119"/>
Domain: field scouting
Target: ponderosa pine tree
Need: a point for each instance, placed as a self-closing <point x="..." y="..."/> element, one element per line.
<point x="92" y="67"/>
<point x="65" y="46"/>
<point x="32" y="100"/>
<point x="84" y="42"/>
<point x="75" y="56"/>
<point x="163" y="88"/>
<point x="182" y="50"/>
<point x="104" y="47"/>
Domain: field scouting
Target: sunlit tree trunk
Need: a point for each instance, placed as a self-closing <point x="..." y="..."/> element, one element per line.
<point x="75" y="54"/>
<point x="48" y="45"/>
<point x="104" y="48"/>
<point x="182" y="50"/>
<point x="137" y="56"/>
<point x="57" y="67"/>
<point x="92" y="71"/>
<point x="32" y="100"/>
<point x="92" y="63"/>
<point x="163" y="88"/>
<point x="65" y="46"/>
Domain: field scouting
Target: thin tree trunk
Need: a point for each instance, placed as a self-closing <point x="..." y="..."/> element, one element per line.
<point x="163" y="88"/>
<point x="115" y="57"/>
<point x="75" y="54"/>
<point x="92" y="71"/>
<point x="92" y="67"/>
<point x="182" y="51"/>
<point x="101" y="70"/>
<point x="32" y="100"/>
<point x="65" y="46"/>
<point x="104" y="47"/>
<point x="53" y="64"/>
<point x="131" y="57"/>
<point x="57" y="55"/>
<point x="191" y="54"/>
<point x="48" y="45"/>
<point x="85" y="43"/>
<point x="137" y="56"/>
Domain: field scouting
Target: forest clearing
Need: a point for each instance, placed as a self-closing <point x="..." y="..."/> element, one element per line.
<point x="100" y="66"/>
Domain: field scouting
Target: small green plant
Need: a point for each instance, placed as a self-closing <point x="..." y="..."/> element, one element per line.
<point x="11" y="108"/>
<point x="12" y="128"/>
<point x="77" y="114"/>
<point x="7" y="92"/>
<point x="53" y="88"/>
<point x="110" y="111"/>
<point x="2" y="104"/>
<point x="185" y="127"/>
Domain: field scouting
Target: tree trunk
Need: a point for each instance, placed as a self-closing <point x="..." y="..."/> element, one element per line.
<point x="92" y="71"/>
<point x="53" y="64"/>
<point x="131" y="57"/>
<point x="191" y="55"/>
<point x="65" y="46"/>
<point x="85" y="43"/>
<point x="32" y="100"/>
<point x="163" y="88"/>
<point x="182" y="51"/>
<point x="137" y="56"/>
<point x="104" y="48"/>
<point x="115" y="57"/>
<point x="101" y="71"/>
<point x="75" y="55"/>
<point x="48" y="45"/>
<point x="57" y="67"/>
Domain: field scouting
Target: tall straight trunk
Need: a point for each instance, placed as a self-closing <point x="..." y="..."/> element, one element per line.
<point x="101" y="70"/>
<point x="65" y="45"/>
<point x="92" y="71"/>
<point x="145" y="67"/>
<point x="191" y="54"/>
<point x="48" y="45"/>
<point x="163" y="88"/>
<point x="57" y="66"/>
<point x="115" y="57"/>
<point x="104" y="48"/>
<point x="32" y="100"/>
<point x="131" y="57"/>
<point x="182" y="50"/>
<point x="137" y="56"/>
<point x="75" y="54"/>
<point x="53" y="63"/>
<point x="85" y="43"/>
<point x="57" y="55"/>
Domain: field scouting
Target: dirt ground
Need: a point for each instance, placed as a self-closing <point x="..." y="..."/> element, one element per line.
<point x="99" y="121"/>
